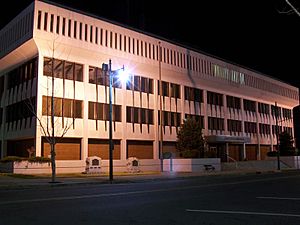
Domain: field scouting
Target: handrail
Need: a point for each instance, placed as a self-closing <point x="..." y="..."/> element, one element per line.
<point x="235" y="161"/>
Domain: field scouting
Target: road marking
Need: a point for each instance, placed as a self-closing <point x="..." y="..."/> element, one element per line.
<point x="139" y="192"/>
<point x="279" y="198"/>
<point x="242" y="212"/>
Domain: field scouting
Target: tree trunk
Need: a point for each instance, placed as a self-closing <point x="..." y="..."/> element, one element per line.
<point x="53" y="166"/>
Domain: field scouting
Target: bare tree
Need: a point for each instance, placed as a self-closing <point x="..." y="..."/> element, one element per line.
<point x="51" y="128"/>
<point x="292" y="10"/>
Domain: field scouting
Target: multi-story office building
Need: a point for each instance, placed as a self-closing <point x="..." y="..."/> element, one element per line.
<point x="235" y="105"/>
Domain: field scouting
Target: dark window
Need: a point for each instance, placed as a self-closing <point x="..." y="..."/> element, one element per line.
<point x="39" y="19"/>
<point x="198" y="118"/>
<point x="75" y="29"/>
<point x="214" y="98"/>
<point x="276" y="111"/>
<point x="46" y="21"/>
<point x="234" y="125"/>
<point x="64" y="26"/>
<point x="69" y="70"/>
<point x="233" y="102"/>
<point x="215" y="123"/>
<point x="263" y="108"/>
<point x="51" y="22"/>
<point x="249" y="105"/>
<point x="250" y="127"/>
<point x="264" y="128"/>
<point x="175" y="90"/>
<point x="69" y="28"/>
<point x="57" y="24"/>
<point x="80" y="31"/>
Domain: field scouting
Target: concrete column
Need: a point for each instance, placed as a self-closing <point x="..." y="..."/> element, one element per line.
<point x="227" y="150"/>
<point x="123" y="149"/>
<point x="205" y="132"/>
<point x="156" y="109"/>
<point x="225" y="114"/>
<point x="84" y="140"/>
<point x="244" y="151"/>
<point x="257" y="133"/>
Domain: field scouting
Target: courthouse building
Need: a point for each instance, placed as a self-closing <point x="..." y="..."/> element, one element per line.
<point x="235" y="105"/>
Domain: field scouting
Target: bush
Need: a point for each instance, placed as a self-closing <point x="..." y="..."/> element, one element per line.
<point x="37" y="159"/>
<point x="272" y="153"/>
<point x="190" y="153"/>
<point x="11" y="159"/>
<point x="20" y="159"/>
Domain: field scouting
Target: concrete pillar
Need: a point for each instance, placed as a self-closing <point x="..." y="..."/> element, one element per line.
<point x="244" y="151"/>
<point x="84" y="140"/>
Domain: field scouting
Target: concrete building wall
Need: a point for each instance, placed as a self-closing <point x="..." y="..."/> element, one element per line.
<point x="75" y="37"/>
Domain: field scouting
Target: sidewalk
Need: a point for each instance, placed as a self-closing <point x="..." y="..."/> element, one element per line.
<point x="17" y="181"/>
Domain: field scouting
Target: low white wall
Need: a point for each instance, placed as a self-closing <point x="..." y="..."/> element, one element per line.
<point x="191" y="165"/>
<point x="24" y="167"/>
<point x="79" y="166"/>
<point x="292" y="161"/>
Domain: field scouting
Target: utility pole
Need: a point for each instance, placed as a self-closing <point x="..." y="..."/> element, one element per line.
<point x="107" y="69"/>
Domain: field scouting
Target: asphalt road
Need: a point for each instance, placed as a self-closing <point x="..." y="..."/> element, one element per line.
<point x="262" y="199"/>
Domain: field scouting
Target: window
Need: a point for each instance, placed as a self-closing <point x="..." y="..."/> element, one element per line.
<point x="75" y="29"/>
<point x="51" y="22"/>
<point x="63" y="69"/>
<point x="57" y="24"/>
<point x="214" y="98"/>
<point x="69" y="70"/>
<point x="193" y="94"/>
<point x="215" y="123"/>
<point x="197" y="118"/>
<point x="249" y="105"/>
<point x="165" y="88"/>
<point x="276" y="111"/>
<point x="234" y="125"/>
<point x="39" y="19"/>
<point x="64" y="26"/>
<point x="96" y="35"/>
<point x="69" y="28"/>
<point x="263" y="108"/>
<point x="86" y="32"/>
<point x="264" y="128"/>
<point x="250" y="127"/>
<point x="80" y="31"/>
<point x="45" y="21"/>
<point x="175" y="90"/>
<point x="172" y="119"/>
<point x="287" y="113"/>
<point x="233" y="102"/>
<point x="111" y="39"/>
<point x="139" y="115"/>
<point x="91" y="34"/>
<point x="100" y="111"/>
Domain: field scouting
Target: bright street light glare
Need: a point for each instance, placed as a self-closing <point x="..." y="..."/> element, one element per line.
<point x="123" y="75"/>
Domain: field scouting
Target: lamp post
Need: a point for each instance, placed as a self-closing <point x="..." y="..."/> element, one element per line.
<point x="107" y="69"/>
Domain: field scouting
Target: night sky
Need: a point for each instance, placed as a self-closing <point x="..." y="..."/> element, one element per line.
<point x="253" y="33"/>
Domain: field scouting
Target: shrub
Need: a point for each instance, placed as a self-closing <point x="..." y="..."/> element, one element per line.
<point x="272" y="153"/>
<point x="11" y="159"/>
<point x="37" y="159"/>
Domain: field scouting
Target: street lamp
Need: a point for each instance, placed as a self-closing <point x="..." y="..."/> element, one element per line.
<point x="123" y="76"/>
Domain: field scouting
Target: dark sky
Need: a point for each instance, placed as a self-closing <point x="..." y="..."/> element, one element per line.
<point x="252" y="33"/>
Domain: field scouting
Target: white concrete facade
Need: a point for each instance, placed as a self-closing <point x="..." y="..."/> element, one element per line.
<point x="68" y="35"/>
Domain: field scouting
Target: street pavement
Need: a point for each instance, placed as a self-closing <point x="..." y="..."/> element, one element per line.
<point x="16" y="181"/>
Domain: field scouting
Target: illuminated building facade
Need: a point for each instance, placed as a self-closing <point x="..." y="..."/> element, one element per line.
<point x="235" y="105"/>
